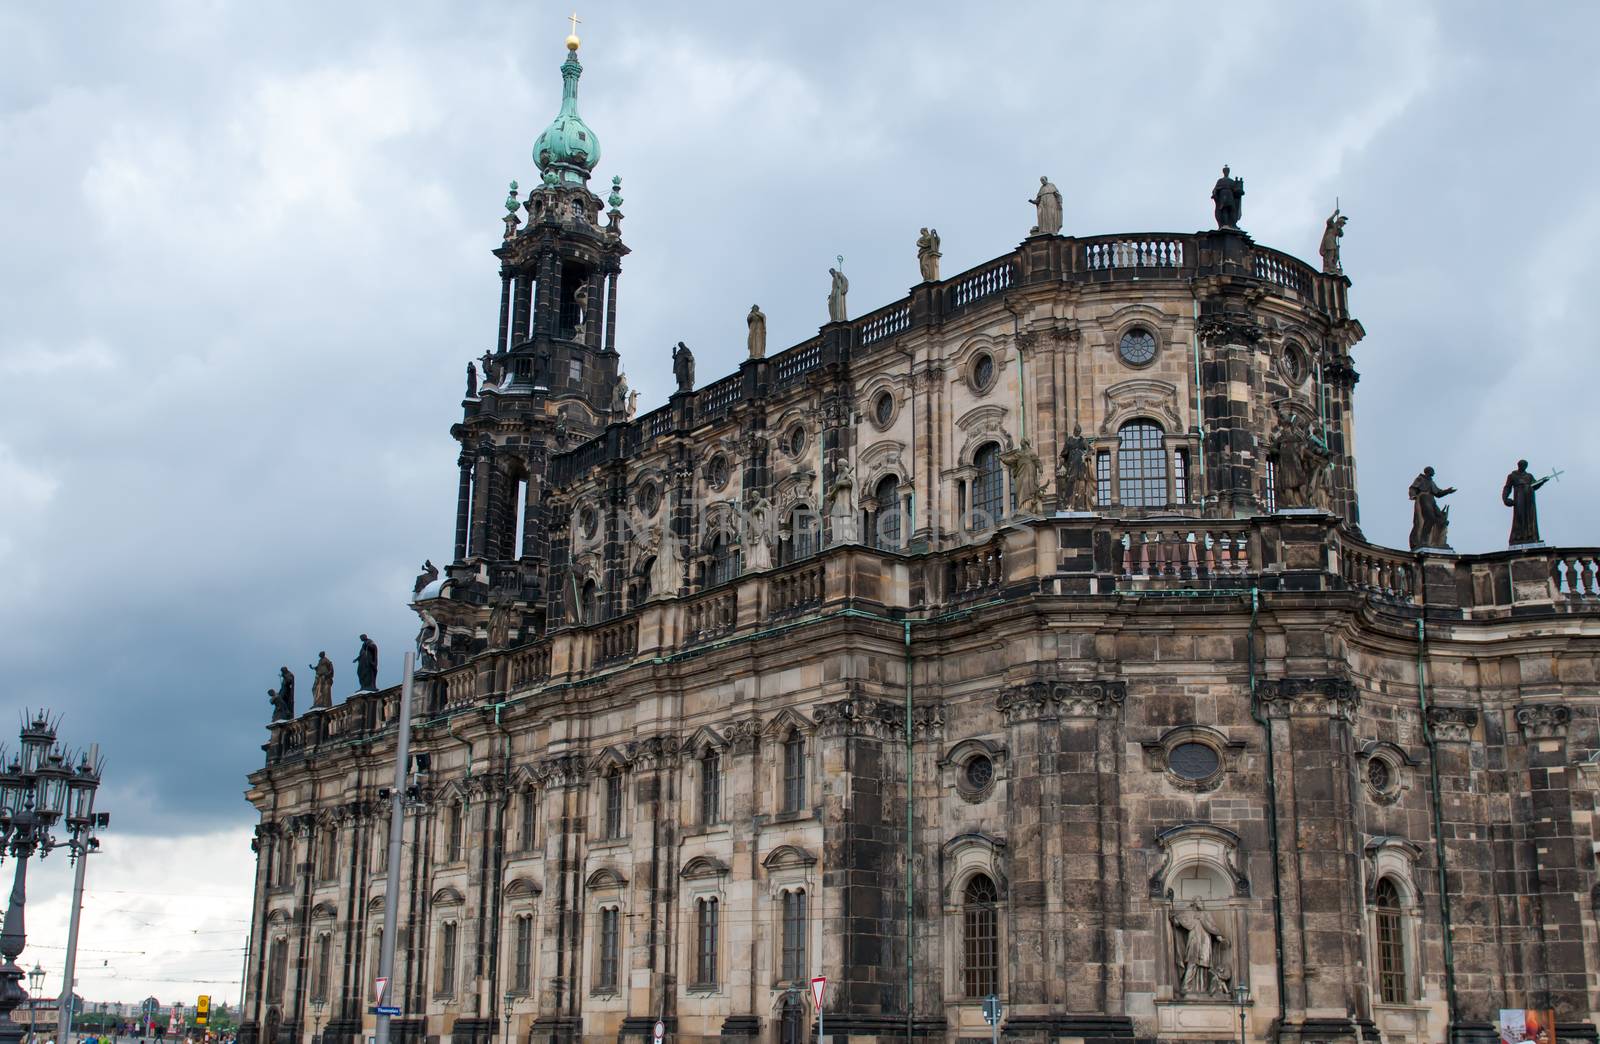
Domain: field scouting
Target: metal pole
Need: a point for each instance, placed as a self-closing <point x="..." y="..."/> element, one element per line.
<point x="81" y="849"/>
<point x="397" y="823"/>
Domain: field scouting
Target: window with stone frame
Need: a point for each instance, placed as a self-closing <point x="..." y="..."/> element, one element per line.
<point x="285" y="869"/>
<point x="1180" y="476"/>
<point x="988" y="486"/>
<point x="724" y="561"/>
<point x="886" y="527"/>
<point x="1391" y="945"/>
<point x="794" y="771"/>
<point x="1141" y="465"/>
<point x="319" y="991"/>
<point x="610" y="929"/>
<point x="529" y="834"/>
<point x="374" y="960"/>
<point x="447" y="959"/>
<point x="453" y="827"/>
<point x="1269" y="492"/>
<point x="328" y="864"/>
<point x="277" y="969"/>
<point x="980" y="938"/>
<point x="710" y="788"/>
<point x="706" y="928"/>
<point x="522" y="958"/>
<point x="803" y="530"/>
<point x="613" y="813"/>
<point x="380" y="850"/>
<point x="793" y="958"/>
<point x="1102" y="478"/>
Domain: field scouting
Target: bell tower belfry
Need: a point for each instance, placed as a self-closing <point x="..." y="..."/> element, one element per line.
<point x="551" y="381"/>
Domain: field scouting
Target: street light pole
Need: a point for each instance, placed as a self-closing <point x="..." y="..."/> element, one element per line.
<point x="317" y="1004"/>
<point x="506" y="1013"/>
<point x="81" y="822"/>
<point x="1241" y="997"/>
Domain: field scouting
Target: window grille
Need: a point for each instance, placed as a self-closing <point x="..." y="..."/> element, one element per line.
<point x="710" y="788"/>
<point x="608" y="948"/>
<point x="794" y="935"/>
<point x="988" y="487"/>
<point x="1141" y="465"/>
<point x="887" y="533"/>
<point x="706" y="965"/>
<point x="614" y="805"/>
<point x="980" y="968"/>
<point x="1391" y="945"/>
<point x="794" y="772"/>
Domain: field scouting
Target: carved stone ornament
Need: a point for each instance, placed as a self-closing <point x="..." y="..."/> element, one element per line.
<point x="1329" y="697"/>
<point x="1037" y="700"/>
<point x="1452" y="724"/>
<point x="743" y="736"/>
<point x="1141" y="396"/>
<point x="1219" y="330"/>
<point x="861" y="716"/>
<point x="563" y="770"/>
<point x="1541" y="721"/>
<point x="927" y="721"/>
<point x="652" y="752"/>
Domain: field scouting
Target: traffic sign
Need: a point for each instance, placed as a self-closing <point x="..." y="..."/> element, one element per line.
<point x="660" y="1030"/>
<point x="385" y="1009"/>
<point x="379" y="988"/>
<point x="818" y="984"/>
<point x="991" y="1009"/>
<point x="202" y="1009"/>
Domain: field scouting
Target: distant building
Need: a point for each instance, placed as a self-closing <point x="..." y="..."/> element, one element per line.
<point x="852" y="662"/>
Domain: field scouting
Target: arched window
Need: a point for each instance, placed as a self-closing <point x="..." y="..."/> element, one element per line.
<point x="705" y="967"/>
<point x="802" y="532"/>
<point x="988" y="486"/>
<point x="1141" y="465"/>
<point x="724" y="561"/>
<point x="277" y="969"/>
<point x="1391" y="944"/>
<point x="794" y="771"/>
<point x="324" y="962"/>
<point x="613" y="805"/>
<point x="886" y="533"/>
<point x="710" y="789"/>
<point x="591" y="602"/>
<point x="980" y="953"/>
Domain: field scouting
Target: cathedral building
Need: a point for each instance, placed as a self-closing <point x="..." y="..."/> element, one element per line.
<point x="1015" y="639"/>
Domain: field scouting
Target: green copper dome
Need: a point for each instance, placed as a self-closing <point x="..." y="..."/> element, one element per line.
<point x="568" y="148"/>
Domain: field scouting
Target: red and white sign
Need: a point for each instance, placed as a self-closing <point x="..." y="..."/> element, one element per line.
<point x="660" y="1029"/>
<point x="818" y="984"/>
<point x="379" y="988"/>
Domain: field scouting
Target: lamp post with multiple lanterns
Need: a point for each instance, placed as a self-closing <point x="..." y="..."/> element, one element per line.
<point x="35" y="985"/>
<point x="38" y="785"/>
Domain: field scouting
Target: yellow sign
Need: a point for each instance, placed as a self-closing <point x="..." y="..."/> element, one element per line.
<point x="202" y="1009"/>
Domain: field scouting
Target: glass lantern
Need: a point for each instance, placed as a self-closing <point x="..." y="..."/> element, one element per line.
<point x="37" y="740"/>
<point x="50" y="788"/>
<point x="80" y="798"/>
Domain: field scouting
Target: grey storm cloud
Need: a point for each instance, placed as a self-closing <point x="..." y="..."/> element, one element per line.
<point x="245" y="259"/>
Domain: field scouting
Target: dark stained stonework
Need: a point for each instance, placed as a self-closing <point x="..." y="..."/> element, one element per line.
<point x="930" y="736"/>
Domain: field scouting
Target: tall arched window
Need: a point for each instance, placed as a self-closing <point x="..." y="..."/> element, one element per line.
<point x="610" y="929"/>
<point x="319" y="990"/>
<point x="453" y="828"/>
<point x="1391" y="944"/>
<point x="980" y="951"/>
<point x="613" y="805"/>
<point x="802" y="531"/>
<point x="591" y="602"/>
<point x="710" y="789"/>
<point x="1141" y="465"/>
<point x="530" y="819"/>
<point x="988" y="485"/>
<point x="724" y="561"/>
<point x="886" y="534"/>
<point x="794" y="771"/>
<point x="447" y="959"/>
<point x="329" y="852"/>
<point x="523" y="973"/>
<point x="706" y="949"/>
<point x="792" y="965"/>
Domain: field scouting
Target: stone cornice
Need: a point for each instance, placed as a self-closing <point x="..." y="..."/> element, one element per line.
<point x="563" y="770"/>
<point x="653" y="752"/>
<point x="1328" y="697"/>
<point x="1540" y="721"/>
<point x="861" y="716"/>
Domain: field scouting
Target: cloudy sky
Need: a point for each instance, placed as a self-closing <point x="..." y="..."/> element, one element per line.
<point x="244" y="258"/>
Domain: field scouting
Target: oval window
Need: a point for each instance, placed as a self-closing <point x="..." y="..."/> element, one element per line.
<point x="883" y="409"/>
<point x="1194" y="761"/>
<point x="1378" y="774"/>
<point x="980" y="771"/>
<point x="1138" y="346"/>
<point x="983" y="372"/>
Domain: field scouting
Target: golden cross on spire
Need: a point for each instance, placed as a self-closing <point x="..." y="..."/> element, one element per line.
<point x="574" y="19"/>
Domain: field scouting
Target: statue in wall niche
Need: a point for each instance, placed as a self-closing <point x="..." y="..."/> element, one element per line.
<point x="1205" y="962"/>
<point x="1429" y="521"/>
<point x="1048" y="205"/>
<point x="1227" y="197"/>
<point x="1331" y="234"/>
<point x="838" y="312"/>
<point x="1518" y="495"/>
<point x="756" y="338"/>
<point x="1300" y="466"/>
<point x="841" y="503"/>
<point x="322" y="681"/>
<point x="758" y="536"/>
<point x="1074" y="479"/>
<point x="928" y="255"/>
<point x="366" y="662"/>
<point x="683" y="367"/>
<point x="283" y="696"/>
<point x="429" y="574"/>
<point x="580" y="297"/>
<point x="428" y="641"/>
<point x="500" y="626"/>
<point x="666" y="572"/>
<point x="1024" y="466"/>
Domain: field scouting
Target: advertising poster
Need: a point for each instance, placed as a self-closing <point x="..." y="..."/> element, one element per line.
<point x="1518" y="1025"/>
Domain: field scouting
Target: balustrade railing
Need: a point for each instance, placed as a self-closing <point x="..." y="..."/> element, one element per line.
<point x="1282" y="270"/>
<point x="1387" y="574"/>
<point x="975" y="570"/>
<point x="1100" y="255"/>
<point x="1575" y="576"/>
<point x="973" y="286"/>
<point x="720" y="397"/>
<point x="460" y="687"/>
<point x="1183" y="554"/>
<point x="883" y="324"/>
<point x="529" y="666"/>
<point x="797" y="590"/>
<point x="615" y="642"/>
<point x="713" y="616"/>
<point x="798" y="361"/>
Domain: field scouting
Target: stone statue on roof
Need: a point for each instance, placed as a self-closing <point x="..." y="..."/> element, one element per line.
<point x="756" y="339"/>
<point x="837" y="310"/>
<point x="928" y="255"/>
<point x="1048" y="202"/>
<point x="1329" y="248"/>
<point x="1227" y="195"/>
<point x="683" y="367"/>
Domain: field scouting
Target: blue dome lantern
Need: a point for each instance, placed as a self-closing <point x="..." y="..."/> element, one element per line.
<point x="567" y="148"/>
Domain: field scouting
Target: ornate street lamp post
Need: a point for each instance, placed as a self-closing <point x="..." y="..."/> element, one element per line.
<point x="506" y="1012"/>
<point x="82" y="821"/>
<point x="1241" y="997"/>
<point x="317" y="1004"/>
<point x="33" y="792"/>
<point x="35" y="984"/>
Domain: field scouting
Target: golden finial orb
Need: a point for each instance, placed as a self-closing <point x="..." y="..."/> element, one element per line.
<point x="572" y="37"/>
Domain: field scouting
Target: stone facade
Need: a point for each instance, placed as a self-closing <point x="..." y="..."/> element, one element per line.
<point x="791" y="677"/>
